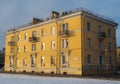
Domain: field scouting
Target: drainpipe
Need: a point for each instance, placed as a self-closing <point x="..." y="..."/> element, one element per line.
<point x="58" y="23"/>
<point x="82" y="39"/>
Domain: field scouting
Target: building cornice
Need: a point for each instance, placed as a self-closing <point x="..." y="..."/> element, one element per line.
<point x="74" y="13"/>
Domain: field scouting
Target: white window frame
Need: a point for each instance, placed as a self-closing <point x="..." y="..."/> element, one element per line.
<point x="65" y="43"/>
<point x="25" y="48"/>
<point x="42" y="61"/>
<point x="24" y="62"/>
<point x="52" y="30"/>
<point x="88" y="26"/>
<point x="33" y="61"/>
<point x="52" y="45"/>
<point x="33" y="47"/>
<point x="25" y="36"/>
<point x="42" y="46"/>
<point x="18" y="49"/>
<point x="43" y="32"/>
<point x="89" y="42"/>
<point x="34" y="33"/>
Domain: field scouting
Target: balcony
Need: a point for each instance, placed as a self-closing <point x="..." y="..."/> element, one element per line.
<point x="101" y="35"/>
<point x="12" y="43"/>
<point x="64" y="33"/>
<point x="33" y="39"/>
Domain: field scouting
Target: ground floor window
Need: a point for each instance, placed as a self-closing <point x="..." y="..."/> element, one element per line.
<point x="52" y="61"/>
<point x="11" y="58"/>
<point x="101" y="60"/>
<point x="42" y="61"/>
<point x="24" y="62"/>
<point x="64" y="61"/>
<point x="33" y="61"/>
<point x="89" y="59"/>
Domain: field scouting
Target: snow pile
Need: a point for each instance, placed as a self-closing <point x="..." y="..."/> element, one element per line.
<point x="25" y="79"/>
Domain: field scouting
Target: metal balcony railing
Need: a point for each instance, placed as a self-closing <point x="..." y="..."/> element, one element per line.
<point x="33" y="39"/>
<point x="64" y="33"/>
<point x="101" y="35"/>
<point x="12" y="43"/>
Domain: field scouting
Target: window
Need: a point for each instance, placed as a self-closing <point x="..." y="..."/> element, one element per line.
<point x="11" y="61"/>
<point x="25" y="48"/>
<point x="109" y="32"/>
<point x="100" y="45"/>
<point x="88" y="26"/>
<point x="65" y="43"/>
<point x="65" y="27"/>
<point x="18" y="49"/>
<point x="25" y="36"/>
<point x="110" y="60"/>
<point x="24" y="62"/>
<point x="12" y="38"/>
<point x="101" y="60"/>
<point x="52" y="30"/>
<point x="53" y="45"/>
<point x="11" y="50"/>
<point x="43" y="32"/>
<point x="18" y="37"/>
<point x="89" y="60"/>
<point x="42" y="61"/>
<point x="43" y="46"/>
<point x="99" y="29"/>
<point x="89" y="42"/>
<point x="33" y="33"/>
<point x="64" y="61"/>
<point x="52" y="60"/>
<point x="33" y="61"/>
<point x="17" y="62"/>
<point x="110" y="47"/>
<point x="33" y="47"/>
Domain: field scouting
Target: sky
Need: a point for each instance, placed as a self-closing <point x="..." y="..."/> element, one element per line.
<point x="14" y="13"/>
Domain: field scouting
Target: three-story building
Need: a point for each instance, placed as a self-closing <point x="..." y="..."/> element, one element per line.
<point x="74" y="42"/>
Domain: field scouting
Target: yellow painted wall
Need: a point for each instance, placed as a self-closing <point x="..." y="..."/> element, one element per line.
<point x="77" y="48"/>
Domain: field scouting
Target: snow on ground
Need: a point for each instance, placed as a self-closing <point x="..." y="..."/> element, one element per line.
<point x="26" y="79"/>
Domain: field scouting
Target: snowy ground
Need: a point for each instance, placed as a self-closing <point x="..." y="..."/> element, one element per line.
<point x="26" y="79"/>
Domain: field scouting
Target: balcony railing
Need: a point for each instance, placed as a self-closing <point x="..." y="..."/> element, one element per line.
<point x="12" y="43"/>
<point x="64" y="33"/>
<point x="101" y="35"/>
<point x="33" y="39"/>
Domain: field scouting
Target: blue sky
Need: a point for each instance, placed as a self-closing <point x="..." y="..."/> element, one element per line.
<point x="18" y="12"/>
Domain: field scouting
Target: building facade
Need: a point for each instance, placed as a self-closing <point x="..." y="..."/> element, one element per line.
<point x="2" y="58"/>
<point x="118" y="57"/>
<point x="75" y="42"/>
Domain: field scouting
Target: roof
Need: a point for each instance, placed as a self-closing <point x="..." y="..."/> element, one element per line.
<point x="62" y="15"/>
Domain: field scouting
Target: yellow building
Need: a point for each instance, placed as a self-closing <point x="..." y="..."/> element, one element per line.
<point x="77" y="42"/>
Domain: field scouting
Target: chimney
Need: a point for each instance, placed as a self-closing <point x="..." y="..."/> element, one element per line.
<point x="54" y="14"/>
<point x="36" y="20"/>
